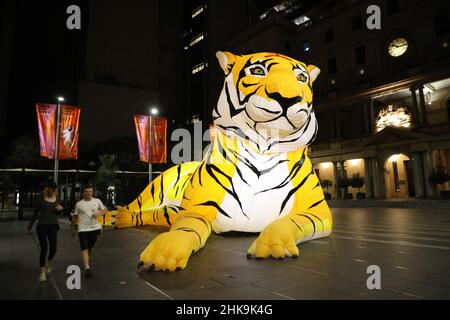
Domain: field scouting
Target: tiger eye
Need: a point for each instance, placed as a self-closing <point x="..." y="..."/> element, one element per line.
<point x="301" y="77"/>
<point x="258" y="71"/>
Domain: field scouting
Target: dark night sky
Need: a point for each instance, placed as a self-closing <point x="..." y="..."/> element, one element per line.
<point x="47" y="57"/>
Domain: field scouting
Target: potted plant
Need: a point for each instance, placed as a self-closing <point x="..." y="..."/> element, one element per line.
<point x="326" y="184"/>
<point x="344" y="183"/>
<point x="440" y="176"/>
<point x="358" y="182"/>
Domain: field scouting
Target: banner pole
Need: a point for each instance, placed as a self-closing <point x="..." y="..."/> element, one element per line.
<point x="58" y="124"/>
<point x="150" y="149"/>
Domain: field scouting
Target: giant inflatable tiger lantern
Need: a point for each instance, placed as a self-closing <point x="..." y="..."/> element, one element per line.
<point x="256" y="176"/>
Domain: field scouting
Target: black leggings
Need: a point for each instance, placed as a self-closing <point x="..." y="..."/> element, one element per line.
<point x="47" y="232"/>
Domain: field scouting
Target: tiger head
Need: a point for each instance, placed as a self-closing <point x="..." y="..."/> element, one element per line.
<point x="267" y="98"/>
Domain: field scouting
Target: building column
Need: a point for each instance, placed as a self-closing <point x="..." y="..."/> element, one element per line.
<point x="336" y="180"/>
<point x="343" y="176"/>
<point x="379" y="185"/>
<point x="423" y="109"/>
<point x="419" y="185"/>
<point x="427" y="167"/>
<point x="416" y="119"/>
<point x="366" y="117"/>
<point x="368" y="177"/>
<point x="376" y="178"/>
<point x="371" y="117"/>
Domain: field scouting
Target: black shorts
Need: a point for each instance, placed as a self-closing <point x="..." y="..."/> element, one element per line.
<point x="88" y="239"/>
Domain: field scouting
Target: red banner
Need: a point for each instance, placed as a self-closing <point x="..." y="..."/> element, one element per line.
<point x="68" y="134"/>
<point x="159" y="138"/>
<point x="46" y="115"/>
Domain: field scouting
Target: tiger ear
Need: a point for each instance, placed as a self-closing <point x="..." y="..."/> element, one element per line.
<point x="313" y="72"/>
<point x="226" y="60"/>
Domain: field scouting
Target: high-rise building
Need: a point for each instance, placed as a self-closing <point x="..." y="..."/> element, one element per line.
<point x="207" y="26"/>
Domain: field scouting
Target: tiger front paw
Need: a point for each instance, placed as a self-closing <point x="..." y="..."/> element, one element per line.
<point x="124" y="218"/>
<point x="169" y="251"/>
<point x="277" y="240"/>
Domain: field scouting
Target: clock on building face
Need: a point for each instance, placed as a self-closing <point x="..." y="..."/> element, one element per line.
<point x="397" y="47"/>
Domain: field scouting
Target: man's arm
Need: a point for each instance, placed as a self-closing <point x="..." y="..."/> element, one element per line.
<point x="73" y="225"/>
<point x="101" y="208"/>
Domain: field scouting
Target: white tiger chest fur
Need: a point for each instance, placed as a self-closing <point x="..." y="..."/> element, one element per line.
<point x="258" y="203"/>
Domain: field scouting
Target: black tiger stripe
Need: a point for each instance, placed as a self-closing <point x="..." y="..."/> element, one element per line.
<point x="227" y="158"/>
<point x="184" y="183"/>
<point x="312" y="214"/>
<point x="139" y="199"/>
<point x="296" y="224"/>
<point x="186" y="229"/>
<point x="152" y="191"/>
<point x="316" y="204"/>
<point x="292" y="173"/>
<point x="294" y="191"/>
<point x="210" y="168"/>
<point x="245" y="161"/>
<point x="215" y="205"/>
<point x="313" y="137"/>
<point x="206" y="222"/>
<point x="246" y="85"/>
<point x="166" y="215"/>
<point x="318" y="184"/>
<point x="233" y="110"/>
<point x="161" y="193"/>
<point x="178" y="173"/>
<point x="200" y="174"/>
<point x="310" y="219"/>
<point x="271" y="168"/>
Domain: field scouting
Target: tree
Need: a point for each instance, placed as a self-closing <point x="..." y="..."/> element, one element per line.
<point x="106" y="175"/>
<point x="24" y="153"/>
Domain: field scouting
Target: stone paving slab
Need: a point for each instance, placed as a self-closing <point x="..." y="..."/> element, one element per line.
<point x="411" y="246"/>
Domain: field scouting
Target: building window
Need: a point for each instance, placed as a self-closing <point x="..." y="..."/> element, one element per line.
<point x="392" y="7"/>
<point x="197" y="11"/>
<point x="441" y="25"/>
<point x="301" y="20"/>
<point x="197" y="39"/>
<point x="199" y="67"/>
<point x="360" y="55"/>
<point x="329" y="35"/>
<point x="332" y="65"/>
<point x="357" y="22"/>
<point x="305" y="46"/>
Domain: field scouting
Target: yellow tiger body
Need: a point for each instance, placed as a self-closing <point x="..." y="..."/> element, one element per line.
<point x="256" y="177"/>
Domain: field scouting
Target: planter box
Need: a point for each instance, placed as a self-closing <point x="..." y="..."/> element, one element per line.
<point x="445" y="195"/>
<point x="360" y="195"/>
<point x="327" y="196"/>
<point x="348" y="196"/>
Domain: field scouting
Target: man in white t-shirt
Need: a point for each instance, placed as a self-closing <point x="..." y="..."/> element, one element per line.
<point x="86" y="213"/>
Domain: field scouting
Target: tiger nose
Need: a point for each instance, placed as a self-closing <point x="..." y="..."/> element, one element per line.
<point x="284" y="102"/>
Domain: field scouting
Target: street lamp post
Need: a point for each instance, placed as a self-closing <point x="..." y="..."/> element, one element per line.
<point x="153" y="112"/>
<point x="58" y="125"/>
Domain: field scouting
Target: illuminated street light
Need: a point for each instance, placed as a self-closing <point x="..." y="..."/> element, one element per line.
<point x="154" y="111"/>
<point x="61" y="99"/>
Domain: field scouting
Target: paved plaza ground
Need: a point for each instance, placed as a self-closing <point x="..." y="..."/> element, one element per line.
<point x="411" y="246"/>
